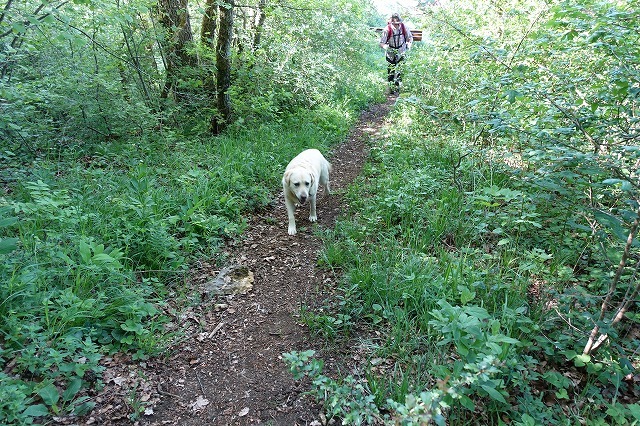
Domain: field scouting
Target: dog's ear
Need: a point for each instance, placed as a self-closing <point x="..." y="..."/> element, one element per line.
<point x="286" y="178"/>
<point x="313" y="179"/>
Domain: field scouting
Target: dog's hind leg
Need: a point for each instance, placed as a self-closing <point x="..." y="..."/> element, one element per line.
<point x="324" y="179"/>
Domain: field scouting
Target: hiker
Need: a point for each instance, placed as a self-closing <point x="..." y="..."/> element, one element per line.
<point x="396" y="39"/>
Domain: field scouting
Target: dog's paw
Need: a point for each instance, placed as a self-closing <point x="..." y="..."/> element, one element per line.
<point x="313" y="218"/>
<point x="292" y="230"/>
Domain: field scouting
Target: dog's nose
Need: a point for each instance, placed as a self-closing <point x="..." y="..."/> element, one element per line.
<point x="303" y="199"/>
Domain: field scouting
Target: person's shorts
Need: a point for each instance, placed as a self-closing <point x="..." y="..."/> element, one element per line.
<point x="393" y="56"/>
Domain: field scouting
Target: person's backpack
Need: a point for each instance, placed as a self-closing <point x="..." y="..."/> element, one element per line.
<point x="390" y="31"/>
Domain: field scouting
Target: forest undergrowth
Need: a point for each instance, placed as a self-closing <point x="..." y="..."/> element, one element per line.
<point x="489" y="251"/>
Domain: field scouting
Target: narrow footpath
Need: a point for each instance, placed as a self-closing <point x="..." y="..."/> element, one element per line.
<point x="228" y="370"/>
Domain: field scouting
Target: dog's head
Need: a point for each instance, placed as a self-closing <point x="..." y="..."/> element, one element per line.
<point x="299" y="182"/>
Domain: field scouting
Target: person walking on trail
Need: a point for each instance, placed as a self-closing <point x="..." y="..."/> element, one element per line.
<point x="396" y="39"/>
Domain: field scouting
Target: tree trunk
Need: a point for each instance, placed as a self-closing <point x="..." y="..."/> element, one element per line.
<point x="208" y="31"/>
<point x="174" y="17"/>
<point x="260" y="25"/>
<point x="207" y="39"/>
<point x="223" y="75"/>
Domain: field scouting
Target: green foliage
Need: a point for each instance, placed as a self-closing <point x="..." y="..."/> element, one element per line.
<point x="80" y="85"/>
<point x="500" y="208"/>
<point x="347" y="400"/>
<point x="496" y="214"/>
<point x="307" y="58"/>
<point x="94" y="239"/>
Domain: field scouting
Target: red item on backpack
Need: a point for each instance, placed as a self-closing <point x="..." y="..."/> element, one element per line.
<point x="390" y="31"/>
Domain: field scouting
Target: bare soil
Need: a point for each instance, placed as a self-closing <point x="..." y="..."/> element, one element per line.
<point x="228" y="370"/>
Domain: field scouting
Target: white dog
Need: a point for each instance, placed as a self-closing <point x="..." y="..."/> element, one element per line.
<point x="300" y="182"/>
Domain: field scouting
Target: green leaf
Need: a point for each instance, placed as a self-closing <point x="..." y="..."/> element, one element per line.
<point x="501" y="338"/>
<point x="494" y="394"/>
<point x="614" y="224"/>
<point x="82" y="406"/>
<point x="467" y="403"/>
<point x="71" y="390"/>
<point x="7" y="245"/>
<point x="624" y="184"/>
<point x="132" y="325"/>
<point x="49" y="395"/>
<point x="466" y="295"/>
<point x="103" y="259"/>
<point x="18" y="27"/>
<point x="7" y="221"/>
<point x="527" y="420"/>
<point x="38" y="410"/>
<point x="581" y="360"/>
<point x="85" y="252"/>
<point x="512" y="95"/>
<point x="635" y="410"/>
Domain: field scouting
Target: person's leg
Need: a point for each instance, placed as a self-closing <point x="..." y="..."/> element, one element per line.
<point x="398" y="76"/>
<point x="391" y="71"/>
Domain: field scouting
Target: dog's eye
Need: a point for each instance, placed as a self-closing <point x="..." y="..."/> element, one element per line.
<point x="296" y="184"/>
<point x="306" y="183"/>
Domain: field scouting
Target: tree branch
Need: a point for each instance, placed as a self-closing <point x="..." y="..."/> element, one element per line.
<point x="591" y="343"/>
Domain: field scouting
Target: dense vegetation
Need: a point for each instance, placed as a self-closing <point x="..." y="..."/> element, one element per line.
<point x="113" y="183"/>
<point x="490" y="263"/>
<point x="491" y="272"/>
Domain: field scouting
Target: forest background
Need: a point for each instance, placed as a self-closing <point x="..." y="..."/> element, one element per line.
<point x="491" y="274"/>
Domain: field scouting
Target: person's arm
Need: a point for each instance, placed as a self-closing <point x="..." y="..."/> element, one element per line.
<point x="383" y="40"/>
<point x="409" y="39"/>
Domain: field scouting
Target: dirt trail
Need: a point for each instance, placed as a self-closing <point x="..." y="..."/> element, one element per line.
<point x="230" y="370"/>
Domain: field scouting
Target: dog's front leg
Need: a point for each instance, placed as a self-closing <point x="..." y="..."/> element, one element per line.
<point x="291" y="209"/>
<point x="312" y="208"/>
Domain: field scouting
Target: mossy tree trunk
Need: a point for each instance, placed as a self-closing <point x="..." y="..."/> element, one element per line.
<point x="223" y="65"/>
<point x="174" y="17"/>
